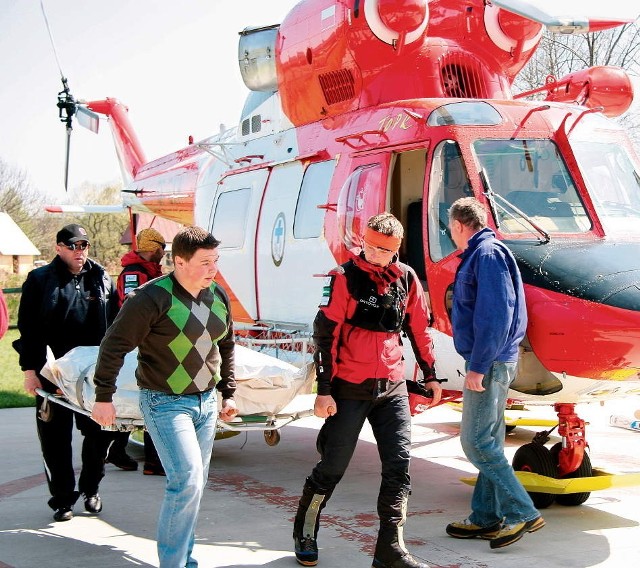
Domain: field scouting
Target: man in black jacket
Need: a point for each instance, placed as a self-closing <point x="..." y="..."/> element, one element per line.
<point x="67" y="303"/>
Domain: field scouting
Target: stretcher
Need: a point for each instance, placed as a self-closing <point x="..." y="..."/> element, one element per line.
<point x="265" y="387"/>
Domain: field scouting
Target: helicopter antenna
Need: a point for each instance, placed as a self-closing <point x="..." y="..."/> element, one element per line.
<point x="66" y="103"/>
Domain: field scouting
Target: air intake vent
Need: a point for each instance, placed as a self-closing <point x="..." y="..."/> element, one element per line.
<point x="462" y="77"/>
<point x="256" y="123"/>
<point x="337" y="86"/>
<point x="246" y="127"/>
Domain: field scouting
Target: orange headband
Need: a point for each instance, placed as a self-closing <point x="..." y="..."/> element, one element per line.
<point x="378" y="240"/>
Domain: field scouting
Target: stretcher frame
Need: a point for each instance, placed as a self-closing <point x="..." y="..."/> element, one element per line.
<point x="269" y="424"/>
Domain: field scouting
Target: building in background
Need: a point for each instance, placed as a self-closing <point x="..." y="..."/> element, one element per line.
<point x="17" y="252"/>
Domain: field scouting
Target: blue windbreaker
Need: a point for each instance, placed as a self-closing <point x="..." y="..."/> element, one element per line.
<point x="489" y="315"/>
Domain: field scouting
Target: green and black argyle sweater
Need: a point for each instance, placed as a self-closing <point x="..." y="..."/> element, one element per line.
<point x="185" y="344"/>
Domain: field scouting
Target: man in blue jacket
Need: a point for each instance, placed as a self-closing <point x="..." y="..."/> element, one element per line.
<point x="489" y="320"/>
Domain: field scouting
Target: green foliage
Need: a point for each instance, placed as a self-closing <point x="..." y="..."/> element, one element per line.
<point x="12" y="394"/>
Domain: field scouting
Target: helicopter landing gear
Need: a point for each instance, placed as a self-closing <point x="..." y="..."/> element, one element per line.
<point x="585" y="470"/>
<point x="536" y="458"/>
<point x="565" y="460"/>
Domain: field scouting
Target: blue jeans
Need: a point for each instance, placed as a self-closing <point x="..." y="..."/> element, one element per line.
<point x="498" y="495"/>
<point x="182" y="428"/>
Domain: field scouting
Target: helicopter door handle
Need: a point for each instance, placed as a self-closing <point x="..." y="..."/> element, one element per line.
<point x="249" y="158"/>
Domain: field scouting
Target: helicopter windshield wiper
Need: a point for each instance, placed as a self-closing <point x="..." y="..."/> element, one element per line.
<point x="494" y="197"/>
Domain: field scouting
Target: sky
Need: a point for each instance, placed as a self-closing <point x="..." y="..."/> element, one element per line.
<point x="174" y="63"/>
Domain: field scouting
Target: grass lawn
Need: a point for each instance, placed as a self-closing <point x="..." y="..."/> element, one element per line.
<point x="12" y="394"/>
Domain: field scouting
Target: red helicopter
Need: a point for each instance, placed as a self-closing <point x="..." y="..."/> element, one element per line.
<point x="362" y="106"/>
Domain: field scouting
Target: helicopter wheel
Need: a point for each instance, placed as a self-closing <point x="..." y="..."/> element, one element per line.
<point x="585" y="470"/>
<point x="272" y="437"/>
<point x="536" y="459"/>
<point x="510" y="428"/>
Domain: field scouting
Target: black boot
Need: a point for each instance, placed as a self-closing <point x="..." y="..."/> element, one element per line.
<point x="390" y="550"/>
<point x="307" y="521"/>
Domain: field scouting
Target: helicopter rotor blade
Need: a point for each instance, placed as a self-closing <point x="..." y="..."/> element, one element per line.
<point x="66" y="159"/>
<point x="67" y="105"/>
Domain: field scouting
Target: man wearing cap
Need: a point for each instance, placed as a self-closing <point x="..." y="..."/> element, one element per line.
<point x="67" y="303"/>
<point x="139" y="266"/>
<point x="366" y="303"/>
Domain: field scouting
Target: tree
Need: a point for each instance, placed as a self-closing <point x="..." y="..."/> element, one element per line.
<point x="105" y="229"/>
<point x="25" y="206"/>
<point x="561" y="54"/>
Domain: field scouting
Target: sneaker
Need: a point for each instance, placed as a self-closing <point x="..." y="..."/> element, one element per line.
<point x="466" y="529"/>
<point x="153" y="469"/>
<point x="306" y="550"/>
<point x="513" y="533"/>
<point x="123" y="461"/>
<point x="93" y="504"/>
<point x="63" y="514"/>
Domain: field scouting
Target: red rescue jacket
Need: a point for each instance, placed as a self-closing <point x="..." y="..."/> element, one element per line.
<point x="354" y="353"/>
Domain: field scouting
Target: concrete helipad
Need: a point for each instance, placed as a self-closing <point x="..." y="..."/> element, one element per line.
<point x="247" y="510"/>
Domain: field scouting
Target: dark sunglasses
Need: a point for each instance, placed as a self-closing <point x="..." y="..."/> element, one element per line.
<point x="76" y="246"/>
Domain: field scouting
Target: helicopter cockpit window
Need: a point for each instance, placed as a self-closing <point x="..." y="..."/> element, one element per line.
<point x="533" y="181"/>
<point x="465" y="113"/>
<point x="448" y="182"/>
<point x="613" y="182"/>
<point x="314" y="192"/>
<point x="230" y="218"/>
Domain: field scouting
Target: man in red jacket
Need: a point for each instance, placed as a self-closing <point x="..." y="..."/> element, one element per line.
<point x="139" y="266"/>
<point x="366" y="303"/>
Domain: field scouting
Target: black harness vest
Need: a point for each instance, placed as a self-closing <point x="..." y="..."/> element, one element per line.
<point x="374" y="311"/>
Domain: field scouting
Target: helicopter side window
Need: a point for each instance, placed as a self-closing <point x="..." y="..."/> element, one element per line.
<point x="309" y="217"/>
<point x="230" y="218"/>
<point x="613" y="181"/>
<point x="448" y="182"/>
<point x="534" y="182"/>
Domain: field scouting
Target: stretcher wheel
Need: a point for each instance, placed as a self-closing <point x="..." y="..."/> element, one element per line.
<point x="46" y="411"/>
<point x="272" y="437"/>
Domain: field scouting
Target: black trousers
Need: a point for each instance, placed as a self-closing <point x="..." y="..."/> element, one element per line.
<point x="55" y="442"/>
<point x="390" y="420"/>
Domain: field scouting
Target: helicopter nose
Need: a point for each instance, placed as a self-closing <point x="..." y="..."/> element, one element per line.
<point x="596" y="271"/>
<point x="583" y="302"/>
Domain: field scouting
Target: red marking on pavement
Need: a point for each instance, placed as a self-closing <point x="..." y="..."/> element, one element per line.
<point x="349" y="528"/>
<point x="12" y="488"/>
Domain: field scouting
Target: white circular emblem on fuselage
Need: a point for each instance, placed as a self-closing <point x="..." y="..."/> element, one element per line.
<point x="278" y="234"/>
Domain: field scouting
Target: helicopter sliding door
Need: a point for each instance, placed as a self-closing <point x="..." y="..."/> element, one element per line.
<point x="292" y="252"/>
<point x="235" y="215"/>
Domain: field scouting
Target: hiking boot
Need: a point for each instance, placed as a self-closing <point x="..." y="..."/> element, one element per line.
<point x="153" y="469"/>
<point x="513" y="533"/>
<point x="405" y="561"/>
<point x="63" y="514"/>
<point x="306" y="548"/>
<point x="93" y="503"/>
<point x="466" y="529"/>
<point x="123" y="461"/>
